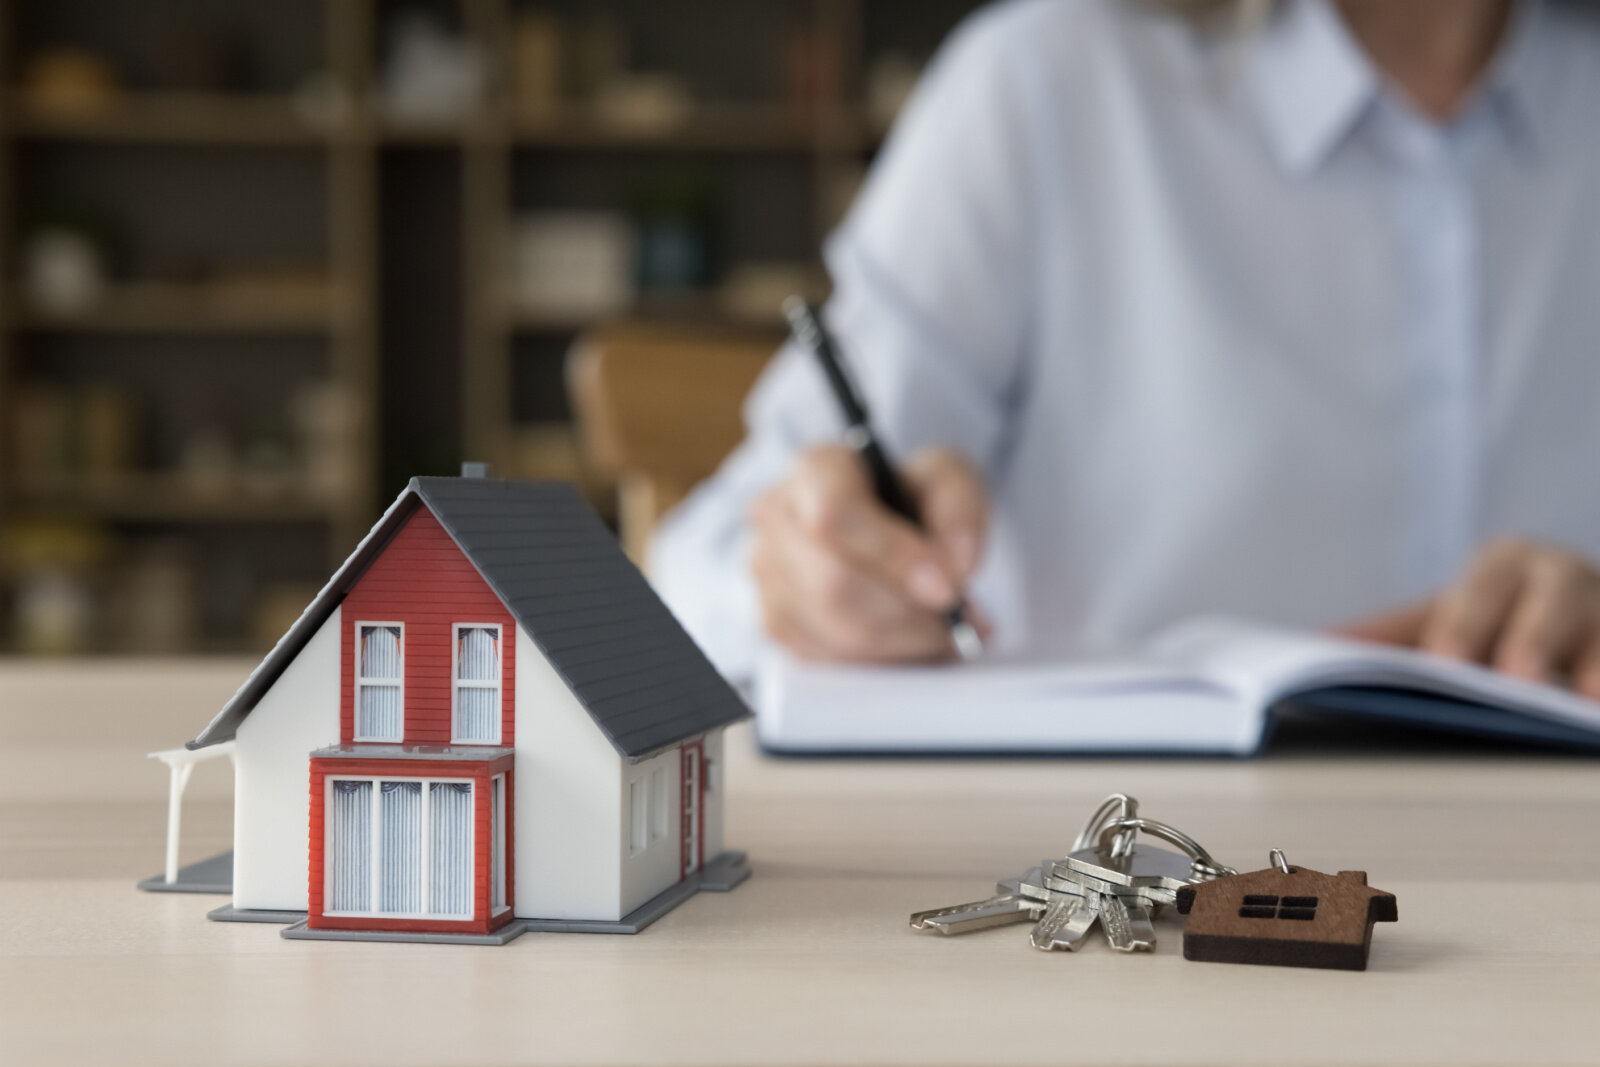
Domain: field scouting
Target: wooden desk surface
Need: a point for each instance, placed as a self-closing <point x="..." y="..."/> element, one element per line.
<point x="1496" y="958"/>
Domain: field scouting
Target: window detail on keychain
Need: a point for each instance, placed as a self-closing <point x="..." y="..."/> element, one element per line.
<point x="1261" y="906"/>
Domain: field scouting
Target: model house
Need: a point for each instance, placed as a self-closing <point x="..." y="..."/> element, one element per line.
<point x="1288" y="916"/>
<point x="486" y="722"/>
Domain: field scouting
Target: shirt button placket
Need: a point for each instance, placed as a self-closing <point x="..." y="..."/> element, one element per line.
<point x="1438" y="237"/>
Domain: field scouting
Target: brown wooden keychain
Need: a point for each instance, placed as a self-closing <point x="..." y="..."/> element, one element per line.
<point x="1285" y="916"/>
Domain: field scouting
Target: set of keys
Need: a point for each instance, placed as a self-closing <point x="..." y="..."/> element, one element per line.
<point x="1109" y="877"/>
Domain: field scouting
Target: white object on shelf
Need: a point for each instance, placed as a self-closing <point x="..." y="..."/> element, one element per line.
<point x="646" y="104"/>
<point x="64" y="271"/>
<point x="432" y="75"/>
<point x="572" y="262"/>
<point x="54" y="611"/>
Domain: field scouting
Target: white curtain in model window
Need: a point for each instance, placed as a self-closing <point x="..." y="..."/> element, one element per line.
<point x="451" y="819"/>
<point x="378" y="684"/>
<point x="349" y="853"/>
<point x="400" y="822"/>
<point x="477" y="683"/>
<point x="425" y="861"/>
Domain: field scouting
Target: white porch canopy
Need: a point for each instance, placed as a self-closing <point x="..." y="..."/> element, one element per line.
<point x="180" y="763"/>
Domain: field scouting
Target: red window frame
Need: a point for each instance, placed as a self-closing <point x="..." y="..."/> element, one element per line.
<point x="481" y="773"/>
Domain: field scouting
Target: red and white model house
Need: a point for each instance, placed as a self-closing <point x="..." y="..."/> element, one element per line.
<point x="485" y="723"/>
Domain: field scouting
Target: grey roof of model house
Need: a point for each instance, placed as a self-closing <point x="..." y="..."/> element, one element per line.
<point x="565" y="579"/>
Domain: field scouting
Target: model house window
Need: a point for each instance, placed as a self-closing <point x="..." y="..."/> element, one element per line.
<point x="477" y="685"/>
<point x="658" y="804"/>
<point x="379" y="715"/>
<point x="638" y="818"/>
<point x="349" y="848"/>
<point x="452" y="849"/>
<point x="417" y="837"/>
<point x="497" y="839"/>
<point x="648" y="808"/>
<point x="400" y="822"/>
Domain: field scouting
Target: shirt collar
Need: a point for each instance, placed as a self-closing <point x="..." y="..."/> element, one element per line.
<point x="1519" y="86"/>
<point x="1311" y="81"/>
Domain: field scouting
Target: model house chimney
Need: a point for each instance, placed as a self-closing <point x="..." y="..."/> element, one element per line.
<point x="475" y="470"/>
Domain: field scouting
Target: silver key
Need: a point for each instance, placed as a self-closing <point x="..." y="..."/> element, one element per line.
<point x="1046" y="889"/>
<point x="1077" y="882"/>
<point x="1065" y="922"/>
<point x="1008" y="906"/>
<point x="1036" y="884"/>
<point x="1127" y="925"/>
<point x="1138" y="905"/>
<point x="1125" y="916"/>
<point x="1069" y="915"/>
<point x="1145" y="867"/>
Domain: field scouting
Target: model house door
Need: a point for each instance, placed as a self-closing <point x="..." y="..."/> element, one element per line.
<point x="693" y="824"/>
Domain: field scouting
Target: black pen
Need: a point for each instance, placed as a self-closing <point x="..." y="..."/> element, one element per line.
<point x="806" y="327"/>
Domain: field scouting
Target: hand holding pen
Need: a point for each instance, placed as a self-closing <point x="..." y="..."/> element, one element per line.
<point x="857" y="561"/>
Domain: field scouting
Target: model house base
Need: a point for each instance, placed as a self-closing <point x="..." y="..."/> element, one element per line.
<point x="214" y="875"/>
<point x="230" y="914"/>
<point x="719" y="875"/>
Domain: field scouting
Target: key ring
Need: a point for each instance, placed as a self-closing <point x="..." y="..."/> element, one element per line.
<point x="1115" y="807"/>
<point x="1204" y="864"/>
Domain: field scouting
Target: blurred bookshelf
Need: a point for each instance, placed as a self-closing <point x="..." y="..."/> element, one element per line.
<point x="709" y="127"/>
<point x="164" y="498"/>
<point x="176" y="308"/>
<point x="174" y="118"/>
<point x="265" y="261"/>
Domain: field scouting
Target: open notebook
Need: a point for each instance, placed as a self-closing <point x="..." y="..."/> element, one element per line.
<point x="1209" y="686"/>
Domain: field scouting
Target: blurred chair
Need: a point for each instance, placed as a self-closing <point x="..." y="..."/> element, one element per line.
<point x="658" y="408"/>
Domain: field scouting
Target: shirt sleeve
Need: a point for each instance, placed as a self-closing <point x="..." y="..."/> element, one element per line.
<point x="931" y="274"/>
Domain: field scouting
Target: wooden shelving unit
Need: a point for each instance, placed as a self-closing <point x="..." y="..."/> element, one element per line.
<point x="165" y="308"/>
<point x="177" y="118"/>
<point x="240" y="321"/>
<point x="460" y="323"/>
<point x="829" y="139"/>
<point x="716" y="128"/>
<point x="158" y="498"/>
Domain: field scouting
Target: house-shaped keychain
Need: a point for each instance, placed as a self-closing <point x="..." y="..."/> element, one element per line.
<point x="489" y="724"/>
<point x="1288" y="916"/>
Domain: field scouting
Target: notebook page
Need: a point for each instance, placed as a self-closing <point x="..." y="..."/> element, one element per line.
<point x="998" y="706"/>
<point x="1267" y="663"/>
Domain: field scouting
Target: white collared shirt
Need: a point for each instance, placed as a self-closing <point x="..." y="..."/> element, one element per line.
<point x="1226" y="323"/>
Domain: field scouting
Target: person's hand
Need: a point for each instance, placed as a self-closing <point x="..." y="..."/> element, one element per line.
<point x="842" y="578"/>
<point x="1528" y="609"/>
